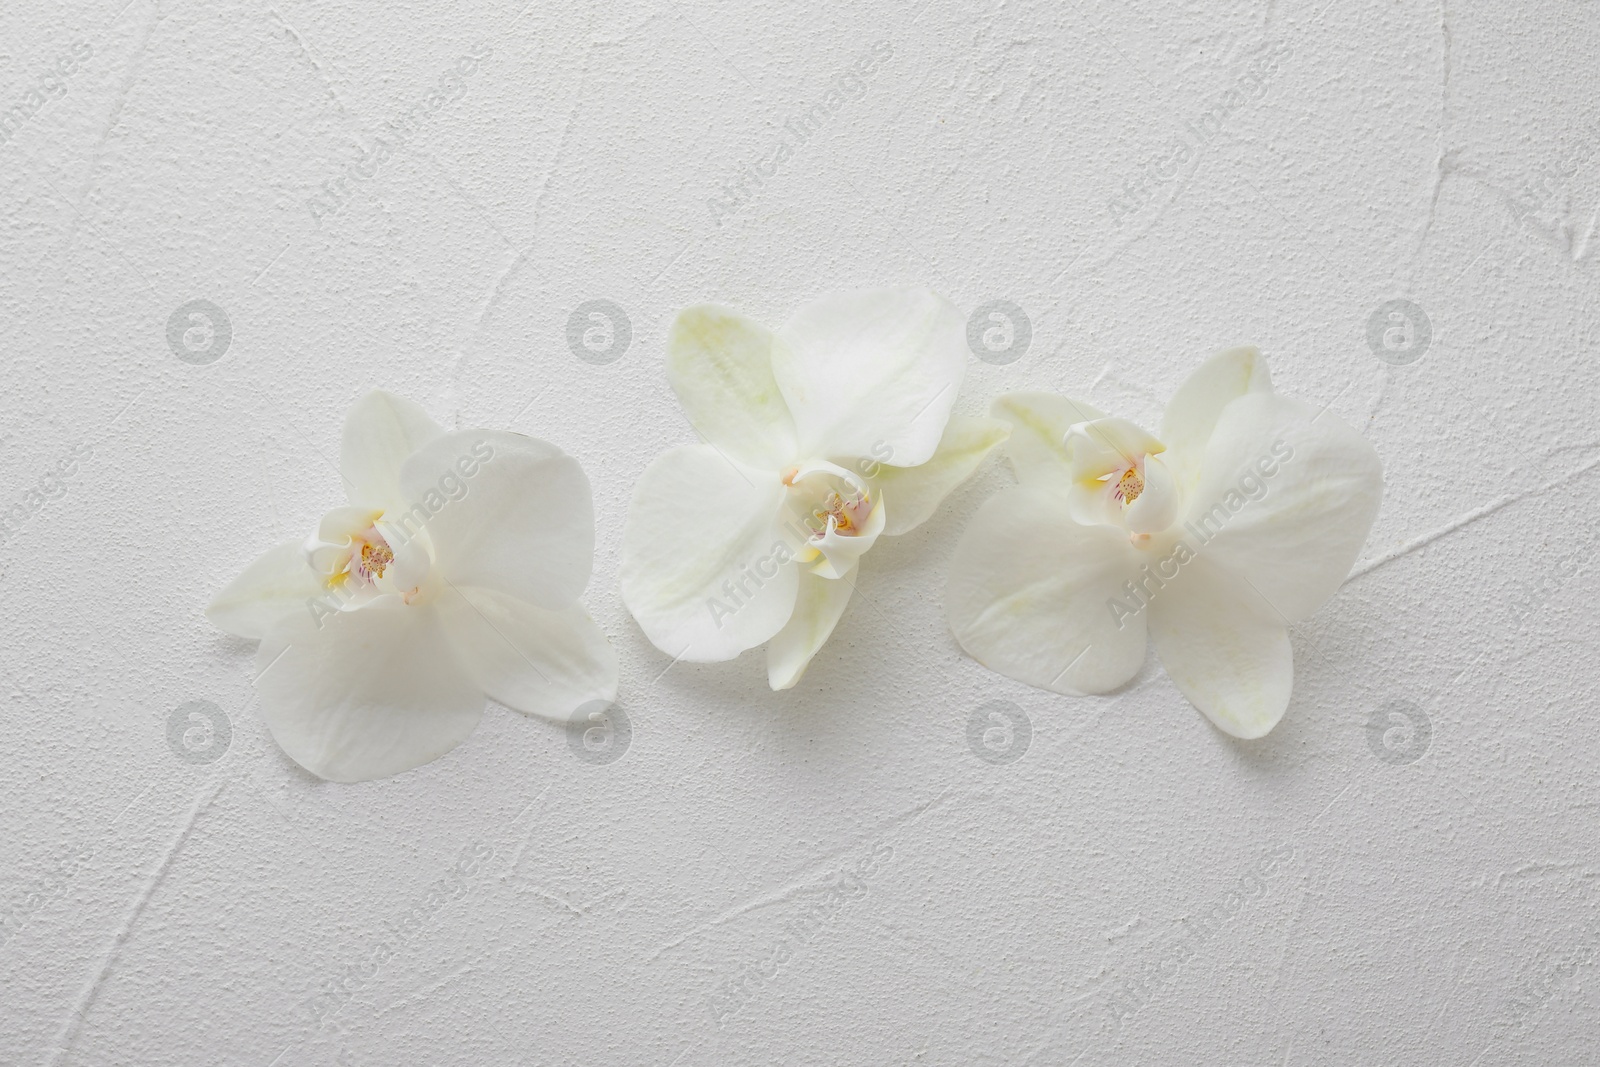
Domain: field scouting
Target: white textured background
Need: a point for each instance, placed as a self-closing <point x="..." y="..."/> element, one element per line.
<point x="828" y="875"/>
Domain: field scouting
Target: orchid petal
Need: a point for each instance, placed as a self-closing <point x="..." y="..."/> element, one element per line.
<point x="720" y="365"/>
<point x="380" y="433"/>
<point x="339" y="526"/>
<point x="1097" y="448"/>
<point x="503" y="511"/>
<point x="539" y="662"/>
<point x="1037" y="447"/>
<point x="1193" y="411"/>
<point x="705" y="566"/>
<point x="277" y="585"/>
<point x="367" y="693"/>
<point x="817" y="609"/>
<point x="1031" y="594"/>
<point x="868" y="371"/>
<point x="1225" y="650"/>
<point x="910" y="494"/>
<point x="1286" y="497"/>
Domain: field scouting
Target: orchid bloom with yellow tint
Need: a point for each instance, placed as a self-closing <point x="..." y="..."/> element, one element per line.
<point x="1242" y="518"/>
<point x="820" y="437"/>
<point x="453" y="573"/>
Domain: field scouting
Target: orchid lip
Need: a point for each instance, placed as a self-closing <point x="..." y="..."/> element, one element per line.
<point x="1120" y="478"/>
<point x="833" y="514"/>
<point x="358" y="562"/>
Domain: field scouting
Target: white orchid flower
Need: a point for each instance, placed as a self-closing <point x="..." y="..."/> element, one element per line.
<point x="820" y="438"/>
<point x="1242" y="518"/>
<point x="453" y="573"/>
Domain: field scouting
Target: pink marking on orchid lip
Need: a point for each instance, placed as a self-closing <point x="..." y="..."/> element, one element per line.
<point x="841" y="515"/>
<point x="1129" y="486"/>
<point x="370" y="555"/>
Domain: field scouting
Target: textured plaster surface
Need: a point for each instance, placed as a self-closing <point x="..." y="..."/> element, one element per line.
<point x="829" y="875"/>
